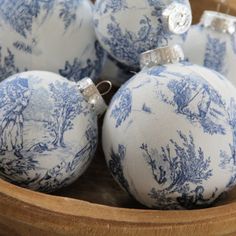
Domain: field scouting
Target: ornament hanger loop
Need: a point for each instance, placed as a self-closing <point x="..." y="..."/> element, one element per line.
<point x="103" y="85"/>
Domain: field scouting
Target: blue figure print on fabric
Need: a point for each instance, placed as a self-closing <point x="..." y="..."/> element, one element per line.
<point x="20" y="14"/>
<point x="146" y="109"/>
<point x="215" y="54"/>
<point x="128" y="45"/>
<point x="7" y="65"/>
<point x="67" y="105"/>
<point x="68" y="12"/>
<point x="177" y="172"/>
<point x="51" y="180"/>
<point x="87" y="151"/>
<point x="15" y="98"/>
<point x="116" y="166"/>
<point x="77" y="71"/>
<point x="122" y="110"/>
<point x="18" y="95"/>
<point x="193" y="89"/>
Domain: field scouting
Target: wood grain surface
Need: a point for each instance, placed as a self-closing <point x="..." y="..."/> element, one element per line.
<point x="198" y="6"/>
<point x="95" y="205"/>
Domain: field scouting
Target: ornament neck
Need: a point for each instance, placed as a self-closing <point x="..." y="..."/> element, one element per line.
<point x="161" y="56"/>
<point x="92" y="95"/>
<point x="177" y="17"/>
<point x="219" y="22"/>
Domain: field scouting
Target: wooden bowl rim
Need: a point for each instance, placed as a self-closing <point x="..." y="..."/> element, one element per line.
<point x="17" y="201"/>
<point x="82" y="210"/>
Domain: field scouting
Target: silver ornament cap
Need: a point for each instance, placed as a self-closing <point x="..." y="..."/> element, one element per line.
<point x="178" y="18"/>
<point x="162" y="56"/>
<point x="92" y="95"/>
<point x="220" y="22"/>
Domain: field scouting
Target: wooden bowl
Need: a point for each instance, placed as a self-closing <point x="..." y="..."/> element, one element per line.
<point x="95" y="205"/>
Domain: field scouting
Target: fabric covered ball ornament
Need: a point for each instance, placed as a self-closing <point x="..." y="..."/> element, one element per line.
<point x="214" y="43"/>
<point x="56" y="36"/>
<point x="48" y="129"/>
<point x="127" y="28"/>
<point x="169" y="134"/>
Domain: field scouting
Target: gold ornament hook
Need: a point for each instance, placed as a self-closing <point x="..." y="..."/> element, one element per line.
<point x="104" y="82"/>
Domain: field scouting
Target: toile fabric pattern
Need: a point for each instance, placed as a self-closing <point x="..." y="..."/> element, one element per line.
<point x="212" y="49"/>
<point x="48" y="131"/>
<point x="52" y="35"/>
<point x="169" y="136"/>
<point x="125" y="40"/>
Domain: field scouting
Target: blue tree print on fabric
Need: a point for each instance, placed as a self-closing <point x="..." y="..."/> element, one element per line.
<point x="68" y="12"/>
<point x="116" y="167"/>
<point x="21" y="46"/>
<point x="128" y="46"/>
<point x="77" y="71"/>
<point x="156" y="70"/>
<point x="18" y="168"/>
<point x="232" y="182"/>
<point x="186" y="167"/>
<point x="228" y="160"/>
<point x="23" y="166"/>
<point x="215" y="54"/>
<point x="68" y="105"/>
<point x="193" y="88"/>
<point x="20" y="14"/>
<point x="7" y="65"/>
<point x="122" y="110"/>
<point x="233" y="42"/>
<point x="111" y="6"/>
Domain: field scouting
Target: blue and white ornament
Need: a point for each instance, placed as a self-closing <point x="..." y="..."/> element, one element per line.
<point x="56" y="36"/>
<point x="212" y="43"/>
<point x="169" y="134"/>
<point x="48" y="129"/>
<point x="153" y="21"/>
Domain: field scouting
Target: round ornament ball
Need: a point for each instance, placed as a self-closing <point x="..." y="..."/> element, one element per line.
<point x="169" y="135"/>
<point x="127" y="28"/>
<point x="56" y="36"/>
<point x="214" y="40"/>
<point x="48" y="129"/>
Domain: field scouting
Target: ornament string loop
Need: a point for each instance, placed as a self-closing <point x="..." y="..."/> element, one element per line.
<point x="92" y="95"/>
<point x="102" y="85"/>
